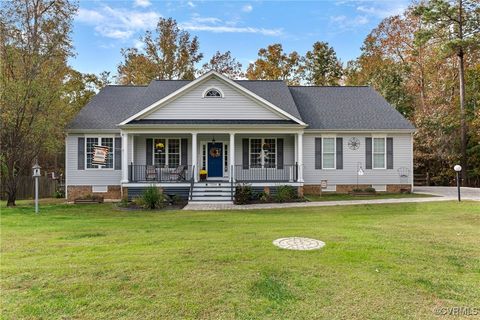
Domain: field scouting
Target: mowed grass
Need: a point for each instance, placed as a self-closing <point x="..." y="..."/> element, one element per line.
<point x="396" y="261"/>
<point x="329" y="196"/>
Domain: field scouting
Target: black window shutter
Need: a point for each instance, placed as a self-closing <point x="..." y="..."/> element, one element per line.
<point x="389" y="153"/>
<point x="184" y="154"/>
<point x="279" y="153"/>
<point x="81" y="154"/>
<point x="118" y="153"/>
<point x="340" y="153"/>
<point x="368" y="153"/>
<point x="318" y="153"/>
<point x="245" y="155"/>
<point x="149" y="151"/>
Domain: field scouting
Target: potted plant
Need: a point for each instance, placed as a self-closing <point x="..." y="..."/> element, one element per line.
<point x="203" y="174"/>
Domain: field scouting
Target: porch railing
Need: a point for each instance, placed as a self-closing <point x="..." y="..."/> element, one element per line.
<point x="286" y="173"/>
<point x="151" y="173"/>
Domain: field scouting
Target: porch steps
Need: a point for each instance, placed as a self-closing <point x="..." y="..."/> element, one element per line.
<point x="204" y="192"/>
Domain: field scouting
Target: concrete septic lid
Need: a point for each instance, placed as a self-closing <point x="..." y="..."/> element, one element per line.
<point x="298" y="243"/>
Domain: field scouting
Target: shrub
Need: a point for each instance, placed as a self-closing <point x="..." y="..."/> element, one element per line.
<point x="243" y="194"/>
<point x="264" y="197"/>
<point x="370" y="190"/>
<point x="59" y="193"/>
<point x="152" y="198"/>
<point x="286" y="193"/>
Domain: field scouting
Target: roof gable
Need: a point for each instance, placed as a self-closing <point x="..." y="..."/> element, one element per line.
<point x="154" y="109"/>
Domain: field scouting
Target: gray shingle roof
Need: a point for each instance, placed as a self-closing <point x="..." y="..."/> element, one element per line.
<point x="348" y="108"/>
<point x="319" y="107"/>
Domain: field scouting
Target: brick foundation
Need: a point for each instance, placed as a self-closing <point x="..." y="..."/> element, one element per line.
<point x="398" y="188"/>
<point x="316" y="189"/>
<point x="75" y="192"/>
<point x="346" y="188"/>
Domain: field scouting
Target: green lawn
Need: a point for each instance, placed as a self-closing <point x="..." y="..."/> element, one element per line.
<point x="380" y="262"/>
<point x="340" y="196"/>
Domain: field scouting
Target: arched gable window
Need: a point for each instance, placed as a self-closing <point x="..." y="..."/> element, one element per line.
<point x="213" y="93"/>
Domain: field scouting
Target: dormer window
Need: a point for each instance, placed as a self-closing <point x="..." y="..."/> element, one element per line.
<point x="213" y="93"/>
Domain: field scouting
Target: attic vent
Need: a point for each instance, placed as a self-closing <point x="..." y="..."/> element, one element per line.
<point x="212" y="93"/>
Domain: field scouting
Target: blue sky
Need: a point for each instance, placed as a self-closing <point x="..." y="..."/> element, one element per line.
<point x="102" y="28"/>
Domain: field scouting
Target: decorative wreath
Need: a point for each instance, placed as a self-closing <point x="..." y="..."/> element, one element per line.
<point x="214" y="152"/>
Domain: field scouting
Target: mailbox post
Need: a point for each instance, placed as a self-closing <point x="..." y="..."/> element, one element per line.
<point x="36" y="176"/>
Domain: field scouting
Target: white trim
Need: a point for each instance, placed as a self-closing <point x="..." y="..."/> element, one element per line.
<point x="167" y="152"/>
<point x="263" y="160"/>
<point x="206" y="142"/>
<point x="66" y="163"/>
<point x="222" y="95"/>
<point x="99" y="141"/>
<point x="204" y="78"/>
<point x="351" y="131"/>
<point x="384" y="137"/>
<point x="334" y="152"/>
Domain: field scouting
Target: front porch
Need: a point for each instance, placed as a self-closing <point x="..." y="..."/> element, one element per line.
<point x="240" y="157"/>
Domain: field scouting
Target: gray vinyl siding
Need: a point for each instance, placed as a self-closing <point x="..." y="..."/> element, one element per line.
<point x="87" y="177"/>
<point x="234" y="105"/>
<point x="139" y="145"/>
<point x="288" y="157"/>
<point x="402" y="157"/>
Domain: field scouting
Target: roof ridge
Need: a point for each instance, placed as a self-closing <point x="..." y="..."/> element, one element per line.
<point x="127" y="85"/>
<point x="297" y="86"/>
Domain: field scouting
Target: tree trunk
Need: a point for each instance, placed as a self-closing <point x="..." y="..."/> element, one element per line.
<point x="11" y="184"/>
<point x="461" y="76"/>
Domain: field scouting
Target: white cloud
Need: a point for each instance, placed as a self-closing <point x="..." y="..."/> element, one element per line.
<point x="216" y="25"/>
<point x="89" y="16"/>
<point x="228" y="29"/>
<point x="345" y="23"/>
<point x="142" y="3"/>
<point x="383" y="12"/>
<point x="247" y="8"/>
<point x="118" y="23"/>
<point x="191" y="4"/>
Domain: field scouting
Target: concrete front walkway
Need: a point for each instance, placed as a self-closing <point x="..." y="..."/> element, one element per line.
<point x="441" y="193"/>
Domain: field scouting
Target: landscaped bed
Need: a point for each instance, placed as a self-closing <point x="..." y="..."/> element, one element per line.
<point x="380" y="261"/>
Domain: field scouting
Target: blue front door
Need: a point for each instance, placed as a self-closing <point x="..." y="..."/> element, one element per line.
<point x="215" y="160"/>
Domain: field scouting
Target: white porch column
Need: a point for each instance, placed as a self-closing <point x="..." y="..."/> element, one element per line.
<point x="231" y="157"/>
<point x="194" y="156"/>
<point x="300" y="156"/>
<point x="125" y="157"/>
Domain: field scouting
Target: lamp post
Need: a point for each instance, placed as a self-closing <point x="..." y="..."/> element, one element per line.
<point x="457" y="169"/>
<point x="360" y="171"/>
<point x="36" y="175"/>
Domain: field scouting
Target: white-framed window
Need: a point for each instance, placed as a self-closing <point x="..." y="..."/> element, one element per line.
<point x="166" y="152"/>
<point x="263" y="153"/>
<point x="328" y="153"/>
<point x="379" y="153"/>
<point x="91" y="142"/>
<point x="212" y="93"/>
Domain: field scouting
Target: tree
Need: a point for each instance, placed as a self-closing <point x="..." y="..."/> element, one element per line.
<point x="225" y="64"/>
<point x="169" y="53"/>
<point x="455" y="26"/>
<point x="274" y="64"/>
<point x="35" y="44"/>
<point x="322" y="66"/>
